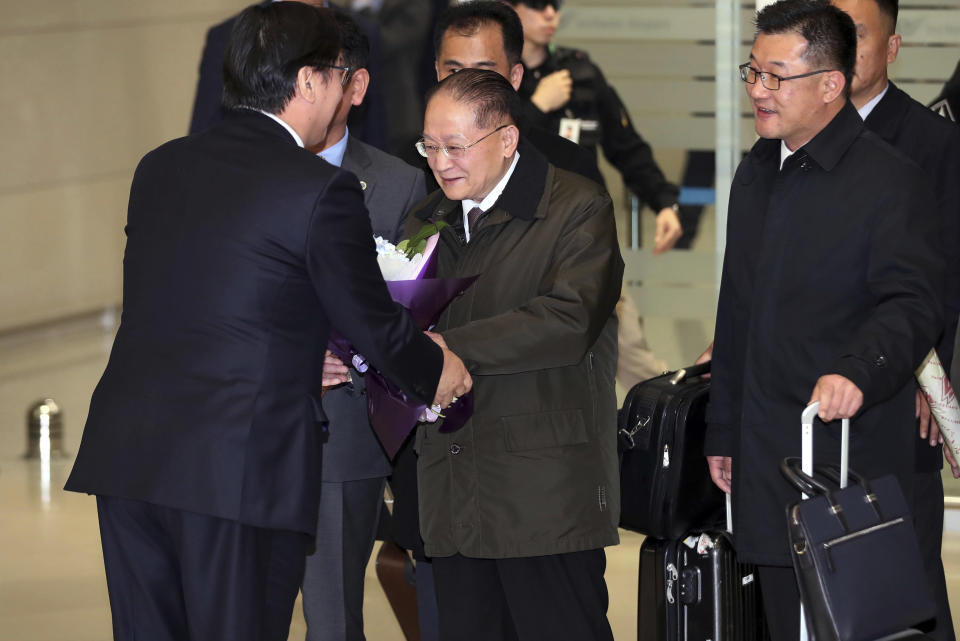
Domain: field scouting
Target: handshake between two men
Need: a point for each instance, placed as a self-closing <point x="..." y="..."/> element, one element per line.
<point x="455" y="380"/>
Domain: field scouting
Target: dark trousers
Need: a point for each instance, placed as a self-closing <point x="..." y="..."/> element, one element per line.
<point x="927" y="511"/>
<point x="335" y="571"/>
<point x="781" y="602"/>
<point x="180" y="576"/>
<point x="557" y="597"/>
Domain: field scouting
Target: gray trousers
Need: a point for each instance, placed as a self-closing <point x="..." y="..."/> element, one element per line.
<point x="333" y="582"/>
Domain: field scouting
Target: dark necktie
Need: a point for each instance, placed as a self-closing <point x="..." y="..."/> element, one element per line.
<point x="472" y="217"/>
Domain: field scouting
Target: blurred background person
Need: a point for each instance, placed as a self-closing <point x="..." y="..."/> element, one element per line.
<point x="368" y="121"/>
<point x="575" y="100"/>
<point x="404" y="30"/>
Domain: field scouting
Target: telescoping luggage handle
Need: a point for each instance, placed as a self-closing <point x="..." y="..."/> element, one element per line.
<point x="806" y="443"/>
<point x="806" y="464"/>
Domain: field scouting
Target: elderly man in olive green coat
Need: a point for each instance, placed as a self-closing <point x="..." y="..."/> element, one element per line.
<point x="517" y="506"/>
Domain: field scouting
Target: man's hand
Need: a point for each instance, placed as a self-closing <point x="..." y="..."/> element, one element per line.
<point x="706" y="357"/>
<point x="838" y="396"/>
<point x="721" y="471"/>
<point x="455" y="380"/>
<point x="437" y="338"/>
<point x="334" y="372"/>
<point x="951" y="461"/>
<point x="930" y="431"/>
<point x="669" y="230"/>
<point x="553" y="91"/>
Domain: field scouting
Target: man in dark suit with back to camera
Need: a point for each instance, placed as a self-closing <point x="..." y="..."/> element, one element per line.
<point x="517" y="506"/>
<point x="831" y="289"/>
<point x="354" y="468"/>
<point x="933" y="142"/>
<point x="243" y="249"/>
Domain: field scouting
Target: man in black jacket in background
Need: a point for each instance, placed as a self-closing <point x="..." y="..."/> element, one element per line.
<point x="831" y="289"/>
<point x="932" y="142"/>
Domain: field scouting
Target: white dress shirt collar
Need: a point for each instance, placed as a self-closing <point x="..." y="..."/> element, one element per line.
<point x="296" y="137"/>
<point x="334" y="153"/>
<point x="490" y="199"/>
<point x="784" y="153"/>
<point x="865" y="110"/>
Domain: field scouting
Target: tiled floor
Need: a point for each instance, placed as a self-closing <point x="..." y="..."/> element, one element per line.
<point x="51" y="575"/>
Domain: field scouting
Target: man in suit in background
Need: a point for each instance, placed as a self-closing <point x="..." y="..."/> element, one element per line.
<point x="355" y="468"/>
<point x="933" y="143"/>
<point x="243" y="249"/>
<point x="368" y="122"/>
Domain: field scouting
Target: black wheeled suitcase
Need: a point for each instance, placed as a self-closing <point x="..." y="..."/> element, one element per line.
<point x="694" y="589"/>
<point x="665" y="486"/>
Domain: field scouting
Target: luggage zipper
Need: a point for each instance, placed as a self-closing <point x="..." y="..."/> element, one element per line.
<point x="666" y="456"/>
<point x="828" y="545"/>
<point x="672" y="577"/>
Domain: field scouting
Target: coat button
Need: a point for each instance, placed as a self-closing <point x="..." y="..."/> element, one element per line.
<point x="455" y="449"/>
<point x="880" y="360"/>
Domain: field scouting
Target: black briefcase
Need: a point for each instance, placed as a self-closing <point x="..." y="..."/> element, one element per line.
<point x="665" y="485"/>
<point x="854" y="549"/>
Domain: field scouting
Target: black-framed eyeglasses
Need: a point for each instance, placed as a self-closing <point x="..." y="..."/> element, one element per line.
<point x="347" y="71"/>
<point x="771" y="80"/>
<point x="540" y="5"/>
<point x="430" y="150"/>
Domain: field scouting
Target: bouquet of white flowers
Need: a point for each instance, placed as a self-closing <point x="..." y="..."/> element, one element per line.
<point x="409" y="269"/>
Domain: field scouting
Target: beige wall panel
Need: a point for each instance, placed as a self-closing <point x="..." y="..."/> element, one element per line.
<point x="925" y="62"/>
<point x="925" y="92"/>
<point x="667" y="60"/>
<point x="677" y="132"/>
<point x="61" y="250"/>
<point x="77" y="14"/>
<point x="629" y="23"/>
<point x="668" y="98"/>
<point x="90" y="103"/>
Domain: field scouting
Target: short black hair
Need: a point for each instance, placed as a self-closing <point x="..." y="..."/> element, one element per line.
<point x="891" y="9"/>
<point x="830" y="33"/>
<point x="268" y="46"/>
<point x="466" y="19"/>
<point x="354" y="44"/>
<point x="491" y="95"/>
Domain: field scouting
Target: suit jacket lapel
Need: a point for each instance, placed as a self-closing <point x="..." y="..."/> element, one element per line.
<point x="357" y="161"/>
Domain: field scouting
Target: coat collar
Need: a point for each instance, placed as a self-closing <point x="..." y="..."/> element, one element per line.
<point x="520" y="198"/>
<point x="886" y="117"/>
<point x="829" y="146"/>
<point x="254" y="120"/>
